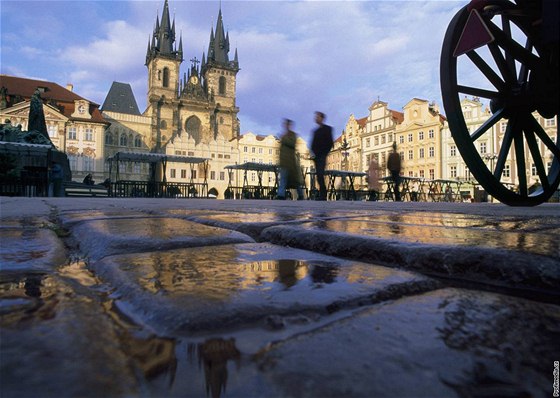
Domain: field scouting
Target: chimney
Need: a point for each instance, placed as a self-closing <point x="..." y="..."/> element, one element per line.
<point x="69" y="87"/>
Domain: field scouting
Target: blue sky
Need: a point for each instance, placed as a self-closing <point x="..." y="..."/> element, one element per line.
<point x="295" y="56"/>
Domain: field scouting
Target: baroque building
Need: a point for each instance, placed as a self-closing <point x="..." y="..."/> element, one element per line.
<point x="75" y="124"/>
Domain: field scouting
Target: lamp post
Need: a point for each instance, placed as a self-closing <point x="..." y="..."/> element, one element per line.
<point x="490" y="157"/>
<point x="344" y="149"/>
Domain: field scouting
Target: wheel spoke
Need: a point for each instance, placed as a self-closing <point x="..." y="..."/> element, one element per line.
<point x="486" y="70"/>
<point x="520" y="161"/>
<point x="504" y="149"/>
<point x="491" y="121"/>
<point x="477" y="92"/>
<point x="507" y="73"/>
<point x="523" y="70"/>
<point x="510" y="46"/>
<point x="506" y="27"/>
<point x="537" y="128"/>
<point x="536" y="155"/>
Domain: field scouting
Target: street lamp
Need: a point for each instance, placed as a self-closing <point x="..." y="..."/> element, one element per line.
<point x="490" y="157"/>
<point x="344" y="148"/>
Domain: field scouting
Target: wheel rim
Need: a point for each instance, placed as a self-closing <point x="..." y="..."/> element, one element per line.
<point x="514" y="100"/>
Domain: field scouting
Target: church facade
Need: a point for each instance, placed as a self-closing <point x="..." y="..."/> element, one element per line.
<point x="190" y="115"/>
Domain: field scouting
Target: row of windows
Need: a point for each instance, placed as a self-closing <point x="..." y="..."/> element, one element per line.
<point x="260" y="150"/>
<point x="384" y="138"/>
<point x="193" y="174"/>
<point x="124" y="140"/>
<point x="73" y="134"/>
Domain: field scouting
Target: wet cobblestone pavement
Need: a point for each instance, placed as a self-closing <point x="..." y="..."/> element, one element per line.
<point x="198" y="298"/>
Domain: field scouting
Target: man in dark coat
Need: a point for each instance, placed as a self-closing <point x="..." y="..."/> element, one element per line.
<point x="321" y="146"/>
<point x="394" y="166"/>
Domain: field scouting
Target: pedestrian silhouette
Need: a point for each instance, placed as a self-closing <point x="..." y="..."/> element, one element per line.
<point x="290" y="171"/>
<point x="321" y="146"/>
<point x="394" y="166"/>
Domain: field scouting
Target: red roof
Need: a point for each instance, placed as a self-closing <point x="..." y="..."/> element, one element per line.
<point x="362" y="122"/>
<point x="397" y="116"/>
<point x="51" y="92"/>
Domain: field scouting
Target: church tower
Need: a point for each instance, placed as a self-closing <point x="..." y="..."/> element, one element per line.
<point x="220" y="75"/>
<point x="163" y="60"/>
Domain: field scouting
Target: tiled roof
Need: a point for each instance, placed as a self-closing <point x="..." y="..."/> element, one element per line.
<point x="397" y="116"/>
<point x="362" y="122"/>
<point x="50" y="92"/>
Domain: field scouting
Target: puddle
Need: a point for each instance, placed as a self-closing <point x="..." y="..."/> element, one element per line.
<point x="450" y="230"/>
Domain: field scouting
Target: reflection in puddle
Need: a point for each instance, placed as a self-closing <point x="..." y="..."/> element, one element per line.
<point x="218" y="274"/>
<point x="213" y="355"/>
<point x="155" y="228"/>
<point x="27" y="295"/>
<point x="451" y="230"/>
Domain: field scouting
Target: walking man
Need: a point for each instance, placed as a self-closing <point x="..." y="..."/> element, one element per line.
<point x="394" y="166"/>
<point x="321" y="146"/>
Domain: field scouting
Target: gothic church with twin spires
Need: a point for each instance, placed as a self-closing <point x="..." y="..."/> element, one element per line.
<point x="191" y="115"/>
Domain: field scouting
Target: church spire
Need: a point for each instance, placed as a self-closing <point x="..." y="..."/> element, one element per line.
<point x="164" y="38"/>
<point x="218" y="48"/>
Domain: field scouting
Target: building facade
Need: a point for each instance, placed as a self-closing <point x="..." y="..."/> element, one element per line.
<point x="75" y="124"/>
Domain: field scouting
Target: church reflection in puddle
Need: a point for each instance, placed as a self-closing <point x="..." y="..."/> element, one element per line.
<point x="213" y="356"/>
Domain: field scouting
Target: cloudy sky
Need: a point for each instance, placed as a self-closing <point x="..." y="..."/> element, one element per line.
<point x="295" y="56"/>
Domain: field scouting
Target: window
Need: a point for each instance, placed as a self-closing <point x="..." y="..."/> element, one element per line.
<point x="73" y="160"/>
<point x="260" y="150"/>
<point x="253" y="149"/>
<point x="172" y="173"/>
<point x="72" y="133"/>
<point x="212" y="175"/>
<point x="453" y="151"/>
<point x="421" y="153"/>
<point x="453" y="171"/>
<point x="483" y="147"/>
<point x="383" y="137"/>
<point x="368" y="142"/>
<point x="137" y="168"/>
<point x="165" y="77"/>
<point x="383" y="158"/>
<point x="410" y="154"/>
<point x="53" y="131"/>
<point x="390" y="137"/>
<point x="409" y="137"/>
<point x="468" y="114"/>
<point x="432" y="174"/>
<point x="421" y="173"/>
<point x="222" y="175"/>
<point x="506" y="172"/>
<point x="431" y="133"/>
<point x="89" y="134"/>
<point x="420" y="135"/>
<point x="401" y="139"/>
<point x="245" y="149"/>
<point x="88" y="163"/>
<point x="138" y="142"/>
<point x="533" y="170"/>
<point x="222" y="85"/>
<point x="108" y="139"/>
<point x="123" y="141"/>
<point x="410" y="173"/>
<point x="376" y="141"/>
<point x="431" y="151"/>
<point x="503" y="127"/>
<point x="193" y="174"/>
<point x="192" y="126"/>
<point x="550" y="122"/>
<point x="183" y="173"/>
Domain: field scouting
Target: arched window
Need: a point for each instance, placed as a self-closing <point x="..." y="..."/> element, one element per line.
<point x="163" y="124"/>
<point x="108" y="139"/>
<point x="123" y="141"/>
<point x="138" y="142"/>
<point x="130" y="139"/>
<point x="222" y="85"/>
<point x="192" y="126"/>
<point x="165" y="77"/>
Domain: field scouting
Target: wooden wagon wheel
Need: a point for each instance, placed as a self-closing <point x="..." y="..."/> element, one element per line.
<point x="498" y="53"/>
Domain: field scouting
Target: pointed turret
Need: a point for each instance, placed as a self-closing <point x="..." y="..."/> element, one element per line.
<point x="163" y="38"/>
<point x="218" y="48"/>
